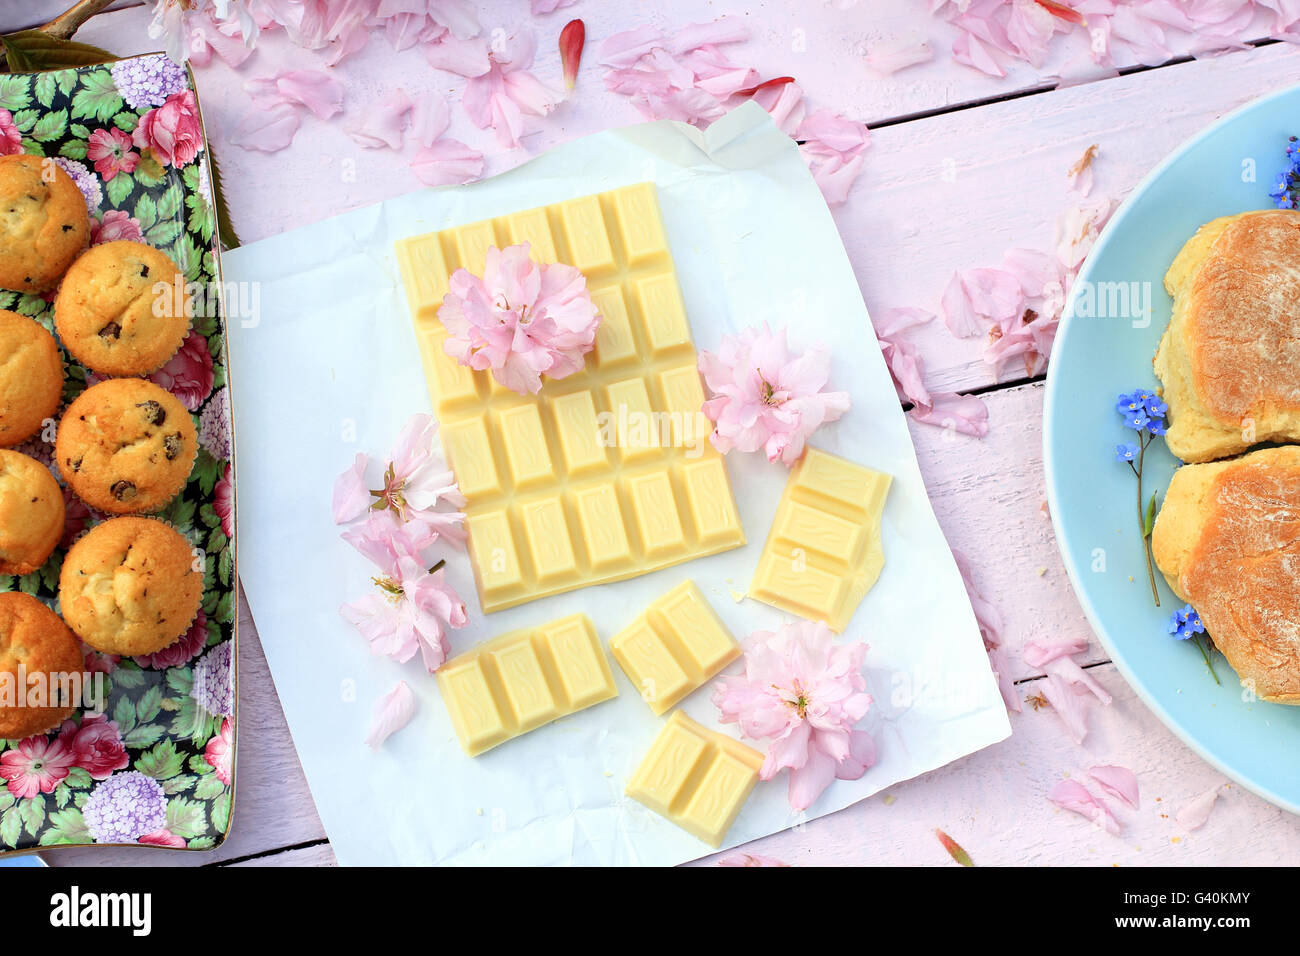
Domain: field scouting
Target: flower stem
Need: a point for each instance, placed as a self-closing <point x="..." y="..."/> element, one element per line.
<point x="1205" y="653"/>
<point x="1142" y="525"/>
<point x="66" y="24"/>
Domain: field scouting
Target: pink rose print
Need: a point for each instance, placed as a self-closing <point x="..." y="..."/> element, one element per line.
<point x="36" y="765"/>
<point x="116" y="224"/>
<point x="172" y="131"/>
<point x="220" y="752"/>
<point x="77" y="516"/>
<point x="223" y="502"/>
<point x="182" y="651"/>
<point x="110" y="151"/>
<point x="188" y="375"/>
<point x="164" y="838"/>
<point x="97" y="663"/>
<point x="11" y="141"/>
<point x="96" y="745"/>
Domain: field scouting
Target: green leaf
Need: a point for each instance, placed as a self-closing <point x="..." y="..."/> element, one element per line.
<point x="62" y="794"/>
<point x="11" y="826"/>
<point x="225" y="227"/>
<point x="33" y="147"/>
<point x="46" y="86"/>
<point x="79" y="130"/>
<point x="51" y="126"/>
<point x="146" y="210"/>
<point x="30" y="583"/>
<point x="25" y="120"/>
<point x="188" y="256"/>
<point x="126" y="121"/>
<point x="146" y="735"/>
<point x="15" y="92"/>
<point x="225" y="566"/>
<point x="162" y="762"/>
<point x="225" y="612"/>
<point x="73" y="149"/>
<point x="78" y="778"/>
<point x="221" y="812"/>
<point x="119" y="187"/>
<point x="179" y="783"/>
<point x="33" y="813"/>
<point x="164" y="232"/>
<point x="208" y="470"/>
<point x="129" y="678"/>
<point x="169" y="203"/>
<point x="187" y="818"/>
<point x="202" y="843"/>
<point x="97" y="98"/>
<point x="29" y="51"/>
<point x="147" y="707"/>
<point x="66" y="826"/>
<point x="1149" y="520"/>
<point x="209" y="787"/>
<point x="32" y="305"/>
<point x="181" y="680"/>
<point x="124" y="714"/>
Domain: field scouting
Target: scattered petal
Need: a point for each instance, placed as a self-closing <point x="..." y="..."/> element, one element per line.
<point x="1038" y="651"/>
<point x="572" y="39"/>
<point x="886" y="59"/>
<point x="1120" y="782"/>
<point x="447" y="162"/>
<point x="1193" y="814"/>
<point x="1071" y="795"/>
<point x="393" y="711"/>
<point x="1080" y="174"/>
<point x="267" y="130"/>
<point x="954" y="849"/>
<point x="385" y="123"/>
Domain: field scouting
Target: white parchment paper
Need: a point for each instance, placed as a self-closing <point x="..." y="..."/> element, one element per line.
<point x="331" y="368"/>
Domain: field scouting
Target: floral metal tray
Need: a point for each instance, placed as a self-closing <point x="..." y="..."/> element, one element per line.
<point x="156" y="768"/>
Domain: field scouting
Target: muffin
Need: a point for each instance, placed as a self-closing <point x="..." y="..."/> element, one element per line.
<point x="43" y="223"/>
<point x="31" y="513"/>
<point x="122" y="309"/>
<point x="1229" y="361"/>
<point x="126" y="446"/>
<point x="129" y="586"/>
<point x="34" y="641"/>
<point x="31" y="378"/>
<point x="1226" y="541"/>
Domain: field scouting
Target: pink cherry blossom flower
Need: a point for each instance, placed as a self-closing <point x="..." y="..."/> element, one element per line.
<point x="96" y="745"/>
<point x="803" y="693"/>
<point x="499" y="96"/>
<point x="220" y="752"/>
<point x="521" y="319"/>
<point x="36" y="765"/>
<point x="11" y="141"/>
<point x="172" y="132"/>
<point x="416" y="483"/>
<point x="765" y="397"/>
<point x="393" y="711"/>
<point x="113" y="225"/>
<point x="189" y="373"/>
<point x="410" y="612"/>
<point x="110" y="151"/>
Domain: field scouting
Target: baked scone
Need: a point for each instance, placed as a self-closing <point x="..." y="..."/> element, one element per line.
<point x="121" y="309"/>
<point x="128" y="586"/>
<point x="126" y="446"/>
<point x="1230" y="359"/>
<point x="43" y="223"/>
<point x="35" y="640"/>
<point x="31" y="513"/>
<point x="31" y="377"/>
<point x="1228" y="542"/>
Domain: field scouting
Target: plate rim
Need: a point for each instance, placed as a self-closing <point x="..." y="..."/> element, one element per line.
<point x="1049" y="406"/>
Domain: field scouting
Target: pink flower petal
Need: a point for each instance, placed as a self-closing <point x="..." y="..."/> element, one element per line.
<point x="1070" y="707"/>
<point x="1120" y="782"/>
<point x="1193" y="814"/>
<point x="971" y="51"/>
<point x="351" y="497"/>
<point x="750" y="859"/>
<point x="1073" y="796"/>
<point x="447" y="162"/>
<point x="267" y="131"/>
<point x="725" y="29"/>
<point x="885" y="59"/>
<point x="540" y="7"/>
<point x="958" y="311"/>
<point x="385" y="123"/>
<point x="318" y="91"/>
<point x="460" y="56"/>
<point x="966" y="414"/>
<point x="1040" y="651"/>
<point x="393" y="711"/>
<point x="430" y="117"/>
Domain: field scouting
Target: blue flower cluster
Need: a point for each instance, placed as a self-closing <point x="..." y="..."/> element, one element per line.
<point x="1284" y="191"/>
<point x="1186" y="623"/>
<point x="1143" y="411"/>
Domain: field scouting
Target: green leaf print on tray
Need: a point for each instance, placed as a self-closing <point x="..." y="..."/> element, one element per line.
<point x="156" y="767"/>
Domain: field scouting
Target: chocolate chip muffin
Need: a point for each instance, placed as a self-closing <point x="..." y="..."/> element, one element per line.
<point x="31" y="377"/>
<point x="31" y="513"/>
<point x="122" y="309"/>
<point x="44" y="225"/>
<point x="129" y="586"/>
<point x="126" y="446"/>
<point x="37" y="644"/>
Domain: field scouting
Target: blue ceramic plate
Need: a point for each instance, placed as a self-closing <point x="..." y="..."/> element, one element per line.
<point x="1104" y="349"/>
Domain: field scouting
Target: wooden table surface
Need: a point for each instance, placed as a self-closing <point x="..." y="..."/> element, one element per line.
<point x="961" y="167"/>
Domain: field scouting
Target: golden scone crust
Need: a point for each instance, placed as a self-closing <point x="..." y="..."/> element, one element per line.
<point x="121" y="309"/>
<point x="33" y="637"/>
<point x="43" y="223"/>
<point x="1230" y="359"/>
<point x="31" y="513"/>
<point x="128" y="586"/>
<point x="31" y="377"/>
<point x="1228" y="542"/>
<point x="126" y="446"/>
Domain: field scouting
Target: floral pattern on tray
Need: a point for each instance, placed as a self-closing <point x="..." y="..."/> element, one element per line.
<point x="157" y="767"/>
